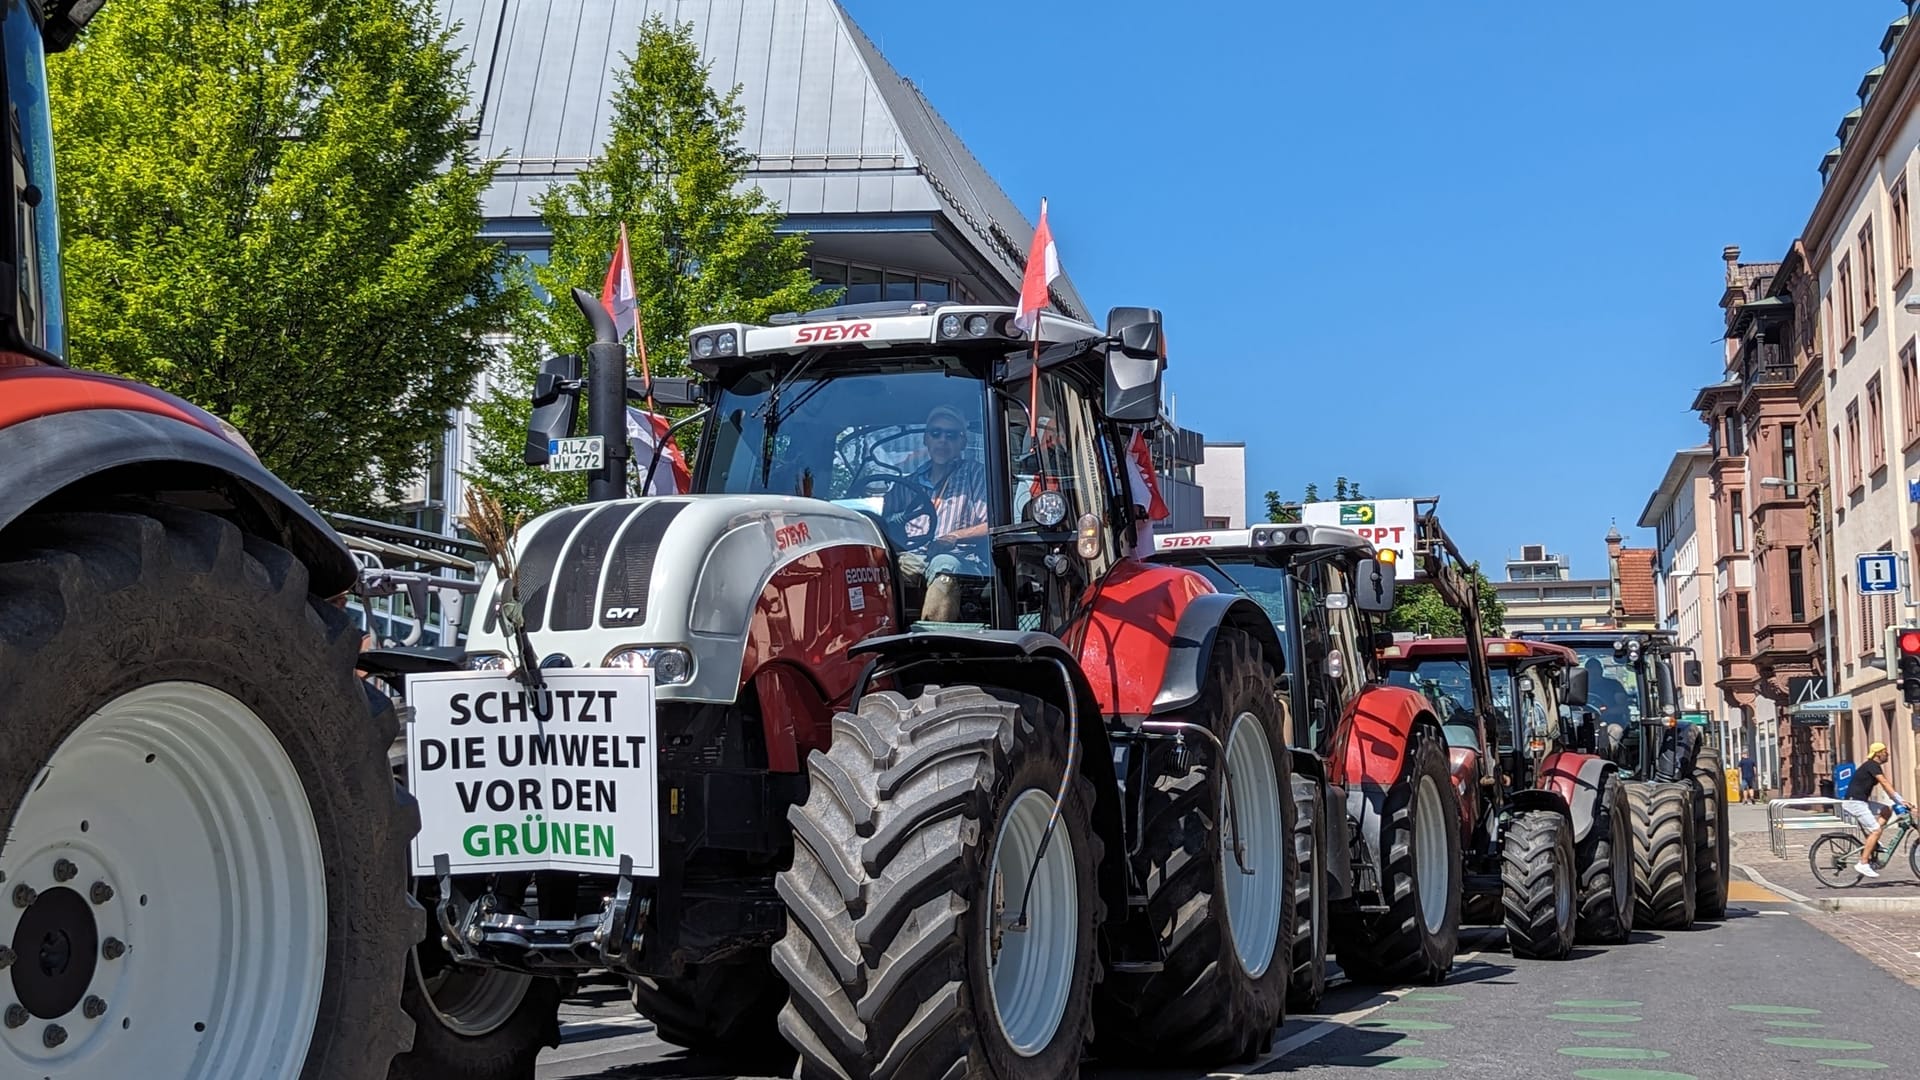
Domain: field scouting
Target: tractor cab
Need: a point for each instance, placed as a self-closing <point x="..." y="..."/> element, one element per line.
<point x="1327" y="592"/>
<point x="1533" y="684"/>
<point x="1632" y="695"/>
<point x="31" y="297"/>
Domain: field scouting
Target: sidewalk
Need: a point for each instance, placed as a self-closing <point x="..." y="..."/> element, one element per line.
<point x="1896" y="890"/>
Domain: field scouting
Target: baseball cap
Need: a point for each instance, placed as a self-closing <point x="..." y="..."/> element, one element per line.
<point x="947" y="411"/>
<point x="1876" y="748"/>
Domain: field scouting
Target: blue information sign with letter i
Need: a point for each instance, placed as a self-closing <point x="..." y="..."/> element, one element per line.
<point x="1878" y="572"/>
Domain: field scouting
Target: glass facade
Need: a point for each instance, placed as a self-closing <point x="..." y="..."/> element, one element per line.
<point x="869" y="284"/>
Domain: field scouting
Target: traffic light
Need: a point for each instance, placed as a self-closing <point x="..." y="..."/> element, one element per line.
<point x="1909" y="670"/>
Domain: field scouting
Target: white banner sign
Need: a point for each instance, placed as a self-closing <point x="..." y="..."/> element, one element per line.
<point x="512" y="779"/>
<point x="1385" y="523"/>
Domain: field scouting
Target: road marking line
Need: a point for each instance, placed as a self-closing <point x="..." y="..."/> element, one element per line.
<point x="1747" y="890"/>
<point x="1326" y="1027"/>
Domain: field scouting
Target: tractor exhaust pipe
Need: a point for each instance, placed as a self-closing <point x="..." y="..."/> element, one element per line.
<point x="606" y="401"/>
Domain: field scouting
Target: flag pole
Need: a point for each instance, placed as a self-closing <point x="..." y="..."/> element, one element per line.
<point x="639" y="324"/>
<point x="1033" y="381"/>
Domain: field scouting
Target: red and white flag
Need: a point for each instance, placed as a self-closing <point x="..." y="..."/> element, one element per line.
<point x="618" y="295"/>
<point x="645" y="431"/>
<point x="1142" y="481"/>
<point x="1043" y="266"/>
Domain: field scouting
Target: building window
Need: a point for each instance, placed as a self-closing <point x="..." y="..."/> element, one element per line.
<point x="1854" y="477"/>
<point x="1743" y="623"/>
<point x="1737" y="517"/>
<point x="1869" y="296"/>
<point x="1909" y="395"/>
<point x="1831" y="346"/>
<point x="1796" y="586"/>
<point x="1902" y="229"/>
<point x="1736" y="439"/>
<point x="1218" y="523"/>
<point x="1845" y="289"/>
<point x="1789" y="460"/>
<point x="1876" y="433"/>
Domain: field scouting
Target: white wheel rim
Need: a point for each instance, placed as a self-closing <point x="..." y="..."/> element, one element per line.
<point x="178" y="799"/>
<point x="1031" y="972"/>
<point x="1430" y="853"/>
<point x="472" y="1001"/>
<point x="1563" y="892"/>
<point x="1256" y="902"/>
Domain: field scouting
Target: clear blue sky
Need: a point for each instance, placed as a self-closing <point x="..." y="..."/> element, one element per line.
<point x="1467" y="250"/>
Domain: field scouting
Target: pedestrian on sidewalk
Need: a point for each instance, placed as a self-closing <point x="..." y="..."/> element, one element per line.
<point x="1859" y="807"/>
<point x="1748" y="771"/>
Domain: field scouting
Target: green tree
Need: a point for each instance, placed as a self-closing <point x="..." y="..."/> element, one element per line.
<point x="271" y="210"/>
<point x="705" y="247"/>
<point x="1417" y="608"/>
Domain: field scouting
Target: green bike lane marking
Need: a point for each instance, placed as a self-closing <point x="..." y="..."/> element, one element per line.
<point x="1595" y="1018"/>
<point x="1775" y="1010"/>
<point x="1632" y="1074"/>
<point x="1852" y="1063"/>
<point x="1818" y="1044"/>
<point x="1600" y="1003"/>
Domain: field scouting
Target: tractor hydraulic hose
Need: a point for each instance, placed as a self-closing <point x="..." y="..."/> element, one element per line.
<point x="1066" y="783"/>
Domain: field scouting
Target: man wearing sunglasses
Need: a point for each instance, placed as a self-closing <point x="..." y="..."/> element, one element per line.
<point x="943" y="546"/>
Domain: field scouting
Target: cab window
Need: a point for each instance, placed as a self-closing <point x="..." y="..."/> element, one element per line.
<point x="40" y="315"/>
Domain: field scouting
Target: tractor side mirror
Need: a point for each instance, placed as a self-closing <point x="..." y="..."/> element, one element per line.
<point x="1574" y="693"/>
<point x="1136" y="361"/>
<point x="1382" y="639"/>
<point x="556" y="401"/>
<point x="1373" y="587"/>
<point x="1690" y="672"/>
<point x="669" y="391"/>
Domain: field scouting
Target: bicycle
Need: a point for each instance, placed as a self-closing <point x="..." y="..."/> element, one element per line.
<point x="1832" y="856"/>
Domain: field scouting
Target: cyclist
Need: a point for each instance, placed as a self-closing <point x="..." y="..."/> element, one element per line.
<point x="1859" y="808"/>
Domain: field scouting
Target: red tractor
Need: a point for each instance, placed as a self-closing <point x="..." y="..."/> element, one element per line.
<point x="201" y="841"/>
<point x="948" y="780"/>
<point x="1376" y="814"/>
<point x="1549" y="847"/>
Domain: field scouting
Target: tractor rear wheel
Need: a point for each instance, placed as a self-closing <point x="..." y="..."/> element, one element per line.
<point x="1537" y="889"/>
<point x="1712" y="847"/>
<point x="728" y="1008"/>
<point x="914" y="946"/>
<point x="1220" y="895"/>
<point x="1663" y="886"/>
<point x="203" y="846"/>
<point x="1415" y="941"/>
<point x="1309" y="982"/>
<point x="1605" y="860"/>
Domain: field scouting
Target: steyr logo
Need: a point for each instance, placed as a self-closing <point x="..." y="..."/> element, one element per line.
<point x="616" y="614"/>
<point x="809" y="335"/>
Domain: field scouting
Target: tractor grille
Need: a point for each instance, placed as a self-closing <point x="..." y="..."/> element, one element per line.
<point x="630" y="570"/>
<point x="538" y="560"/>
<point x="579" y="575"/>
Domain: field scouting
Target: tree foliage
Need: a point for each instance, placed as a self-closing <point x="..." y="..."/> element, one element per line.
<point x="271" y="210"/>
<point x="705" y="247"/>
<point x="1417" y="608"/>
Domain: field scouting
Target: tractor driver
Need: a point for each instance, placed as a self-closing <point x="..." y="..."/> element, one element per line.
<point x="942" y="547"/>
<point x="1608" y="698"/>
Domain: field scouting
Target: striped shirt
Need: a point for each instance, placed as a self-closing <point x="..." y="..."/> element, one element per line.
<point x="960" y="499"/>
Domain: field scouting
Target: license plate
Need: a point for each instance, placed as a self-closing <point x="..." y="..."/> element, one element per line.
<point x="511" y="779"/>
<point x="576" y="455"/>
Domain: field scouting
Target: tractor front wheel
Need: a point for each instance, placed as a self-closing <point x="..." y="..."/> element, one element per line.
<point x="1218" y="862"/>
<point x="1605" y="859"/>
<point x="1663" y="874"/>
<point x="1309" y="983"/>
<point x="941" y="903"/>
<point x="1712" y="846"/>
<point x="1536" y="877"/>
<point x="726" y="1009"/>
<point x="202" y="849"/>
<point x="1418" y="936"/>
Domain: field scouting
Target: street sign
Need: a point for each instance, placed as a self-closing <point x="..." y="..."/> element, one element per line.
<point x="1877" y="572"/>
<point x="1913" y="489"/>
<point x="1839" y="704"/>
<point x="575" y="455"/>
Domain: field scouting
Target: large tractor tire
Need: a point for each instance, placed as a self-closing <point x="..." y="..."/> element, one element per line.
<point x="1416" y="939"/>
<point x="1537" y="885"/>
<point x="204" y="851"/>
<point x="1712" y="846"/>
<point x="725" y="1009"/>
<point x="1663" y="876"/>
<point x="1225" y="920"/>
<point x="477" y="1023"/>
<point x="1605" y="859"/>
<point x="1309" y="982"/>
<point x="912" y="854"/>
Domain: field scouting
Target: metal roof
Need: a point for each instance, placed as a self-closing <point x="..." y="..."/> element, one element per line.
<point x="834" y="130"/>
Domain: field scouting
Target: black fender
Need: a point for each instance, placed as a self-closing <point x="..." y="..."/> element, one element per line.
<point x="152" y="455"/>
<point x="1529" y="799"/>
<point x="1191" y="649"/>
<point x="1028" y="662"/>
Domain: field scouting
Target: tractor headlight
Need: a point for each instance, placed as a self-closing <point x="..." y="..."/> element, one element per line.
<point x="727" y="343"/>
<point x="1049" y="509"/>
<point x="950" y="326"/>
<point x="703" y="346"/>
<point x="486" y="661"/>
<point x="671" y="666"/>
<point x="977" y="326"/>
